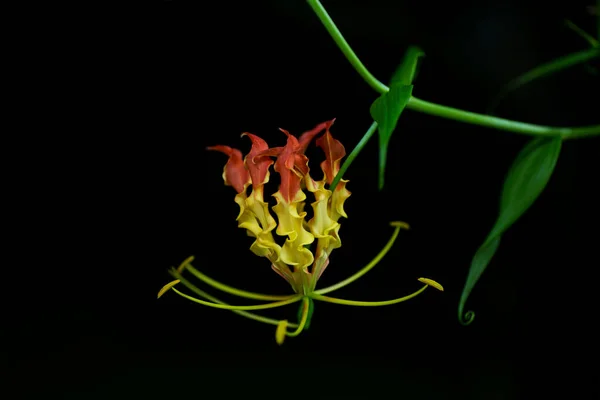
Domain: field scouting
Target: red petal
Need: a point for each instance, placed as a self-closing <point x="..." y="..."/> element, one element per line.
<point x="272" y="152"/>
<point x="235" y="173"/>
<point x="308" y="136"/>
<point x="290" y="179"/>
<point x="257" y="163"/>
<point x="334" y="152"/>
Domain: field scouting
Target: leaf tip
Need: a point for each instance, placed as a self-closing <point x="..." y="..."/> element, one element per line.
<point x="467" y="318"/>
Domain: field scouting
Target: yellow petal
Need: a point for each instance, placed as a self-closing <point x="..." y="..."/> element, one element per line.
<point x="338" y="197"/>
<point x="293" y="251"/>
<point x="432" y="283"/>
<point x="321" y="223"/>
<point x="254" y="216"/>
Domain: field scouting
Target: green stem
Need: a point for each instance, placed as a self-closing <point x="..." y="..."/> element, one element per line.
<point x="440" y="110"/>
<point x="337" y="37"/>
<point x="369" y="266"/>
<point x="300" y="328"/>
<point x="500" y="123"/>
<point x="363" y="142"/>
<point x="367" y="303"/>
<point x="231" y="290"/>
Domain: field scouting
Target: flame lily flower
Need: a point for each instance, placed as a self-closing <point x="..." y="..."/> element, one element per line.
<point x="293" y="260"/>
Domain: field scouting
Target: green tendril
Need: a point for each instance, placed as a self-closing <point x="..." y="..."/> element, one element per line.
<point x="467" y="318"/>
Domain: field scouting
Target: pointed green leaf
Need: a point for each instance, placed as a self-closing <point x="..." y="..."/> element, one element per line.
<point x="527" y="177"/>
<point x="406" y="71"/>
<point x="386" y="110"/>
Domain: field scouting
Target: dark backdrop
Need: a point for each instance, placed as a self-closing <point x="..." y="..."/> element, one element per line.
<point x="131" y="191"/>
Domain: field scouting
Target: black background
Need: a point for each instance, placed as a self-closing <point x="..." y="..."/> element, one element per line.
<point x="126" y="190"/>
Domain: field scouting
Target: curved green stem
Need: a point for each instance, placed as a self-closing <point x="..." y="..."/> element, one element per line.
<point x="367" y="303"/>
<point x="363" y="142"/>
<point x="336" y="35"/>
<point x="398" y="225"/>
<point x="231" y="290"/>
<point x="241" y="308"/>
<point x="300" y="328"/>
<point x="444" y="111"/>
<point x="500" y="123"/>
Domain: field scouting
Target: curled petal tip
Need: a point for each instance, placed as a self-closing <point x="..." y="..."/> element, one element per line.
<point x="281" y="331"/>
<point x="166" y="288"/>
<point x="400" y="224"/>
<point x="284" y="131"/>
<point x="432" y="283"/>
<point x="223" y="149"/>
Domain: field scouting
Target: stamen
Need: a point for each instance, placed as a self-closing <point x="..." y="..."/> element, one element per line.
<point x="398" y="225"/>
<point x="166" y="288"/>
<point x="431" y="283"/>
<point x="228" y="307"/>
<point x="246" y="314"/>
<point x="368" y="303"/>
<point x="281" y="331"/>
<point x="184" y="263"/>
<point x="231" y="290"/>
<point x="189" y="285"/>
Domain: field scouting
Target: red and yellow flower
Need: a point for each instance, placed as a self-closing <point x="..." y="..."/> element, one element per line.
<point x="293" y="260"/>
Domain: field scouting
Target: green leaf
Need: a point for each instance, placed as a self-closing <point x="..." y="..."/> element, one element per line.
<point x="311" y="309"/>
<point x="406" y="71"/>
<point x="386" y="110"/>
<point x="526" y="179"/>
